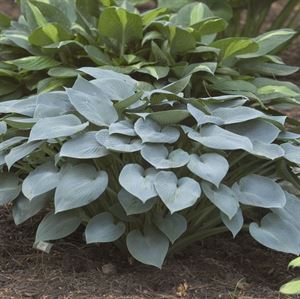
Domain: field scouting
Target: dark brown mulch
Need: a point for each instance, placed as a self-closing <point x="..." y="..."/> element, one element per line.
<point x="219" y="268"/>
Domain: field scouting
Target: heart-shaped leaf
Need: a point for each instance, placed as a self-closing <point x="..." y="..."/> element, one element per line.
<point x="159" y="157"/>
<point x="138" y="182"/>
<point x="97" y="111"/>
<point x="151" y="132"/>
<point x="84" y="146"/>
<point x="41" y="180"/>
<point x="133" y="205"/>
<point x="149" y="248"/>
<point x="176" y="194"/>
<point x="222" y="197"/>
<point x="55" y="127"/>
<point x="276" y="233"/>
<point x="266" y="150"/>
<point x="102" y="229"/>
<point x="259" y="191"/>
<point x="118" y="143"/>
<point x="173" y="226"/>
<point x="79" y="185"/>
<point x="9" y="188"/>
<point x="210" y="167"/>
<point x="123" y="127"/>
<point x="57" y="226"/>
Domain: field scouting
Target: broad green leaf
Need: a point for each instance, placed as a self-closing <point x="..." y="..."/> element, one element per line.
<point x="206" y="67"/>
<point x="223" y="197"/>
<point x="55" y="127"/>
<point x="149" y="16"/>
<point x="203" y="118"/>
<point x="19" y="152"/>
<point x="181" y="40"/>
<point x="160" y="157"/>
<point x="260" y="191"/>
<point x="291" y="288"/>
<point x="173" y="5"/>
<point x="209" y="26"/>
<point x="215" y="137"/>
<point x="97" y="111"/>
<point x="80" y="185"/>
<point x="149" y="247"/>
<point x="41" y="180"/>
<point x="84" y="146"/>
<point x="235" y="224"/>
<point x="211" y="167"/>
<point x="119" y="143"/>
<point x="9" y="188"/>
<point x="295" y="263"/>
<point x="138" y="181"/>
<point x="4" y="21"/>
<point x="123" y="127"/>
<point x="57" y="226"/>
<point x="277" y="234"/>
<point x="34" y="63"/>
<point x="63" y="72"/>
<point x="157" y="72"/>
<point x="150" y="131"/>
<point x="97" y="55"/>
<point x="132" y="205"/>
<point x="291" y="152"/>
<point x="121" y="25"/>
<point x="102" y="229"/>
<point x="176" y="194"/>
<point x="178" y="86"/>
<point x="169" y="117"/>
<point x="173" y="226"/>
<point x="23" y="208"/>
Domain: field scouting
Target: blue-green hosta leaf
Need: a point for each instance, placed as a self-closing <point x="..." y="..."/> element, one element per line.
<point x="173" y="226"/>
<point x="150" y="131"/>
<point x="84" y="146"/>
<point x="259" y="191"/>
<point x="121" y="25"/>
<point x="23" y="106"/>
<point x="21" y="151"/>
<point x="150" y="247"/>
<point x="97" y="111"/>
<point x="3" y="127"/>
<point x="52" y="104"/>
<point x="176" y="194"/>
<point x="102" y="229"/>
<point x="11" y="142"/>
<point x="57" y="226"/>
<point x="23" y="208"/>
<point x="157" y="72"/>
<point x="34" y="63"/>
<point x="119" y="143"/>
<point x="269" y="41"/>
<point x="234" y="224"/>
<point x="169" y="117"/>
<point x="80" y="185"/>
<point x="286" y="135"/>
<point x="159" y="156"/>
<point x="292" y="152"/>
<point x="138" y="182"/>
<point x="236" y="114"/>
<point x="123" y="127"/>
<point x="202" y="118"/>
<point x="177" y="86"/>
<point x="132" y="205"/>
<point x="276" y="233"/>
<point x="290" y="212"/>
<point x="191" y="14"/>
<point x="267" y="150"/>
<point x="41" y="180"/>
<point x="256" y="130"/>
<point x="223" y="197"/>
<point x="210" y="167"/>
<point x="99" y="73"/>
<point x="9" y="188"/>
<point x="55" y="127"/>
<point x="215" y="137"/>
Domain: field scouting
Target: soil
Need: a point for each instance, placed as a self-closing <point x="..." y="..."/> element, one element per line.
<point x="220" y="267"/>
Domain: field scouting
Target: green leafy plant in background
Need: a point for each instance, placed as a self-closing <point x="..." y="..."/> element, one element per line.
<point x="152" y="170"/>
<point x="52" y="39"/>
<point x="293" y="286"/>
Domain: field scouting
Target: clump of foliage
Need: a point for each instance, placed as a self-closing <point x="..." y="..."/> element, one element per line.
<point x="292" y="287"/>
<point x="52" y="39"/>
<point x="152" y="170"/>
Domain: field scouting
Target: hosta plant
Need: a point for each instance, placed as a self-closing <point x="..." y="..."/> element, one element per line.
<point x="151" y="169"/>
<point x="52" y="39"/>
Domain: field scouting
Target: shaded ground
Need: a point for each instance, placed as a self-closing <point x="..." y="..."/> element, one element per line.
<point x="219" y="268"/>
